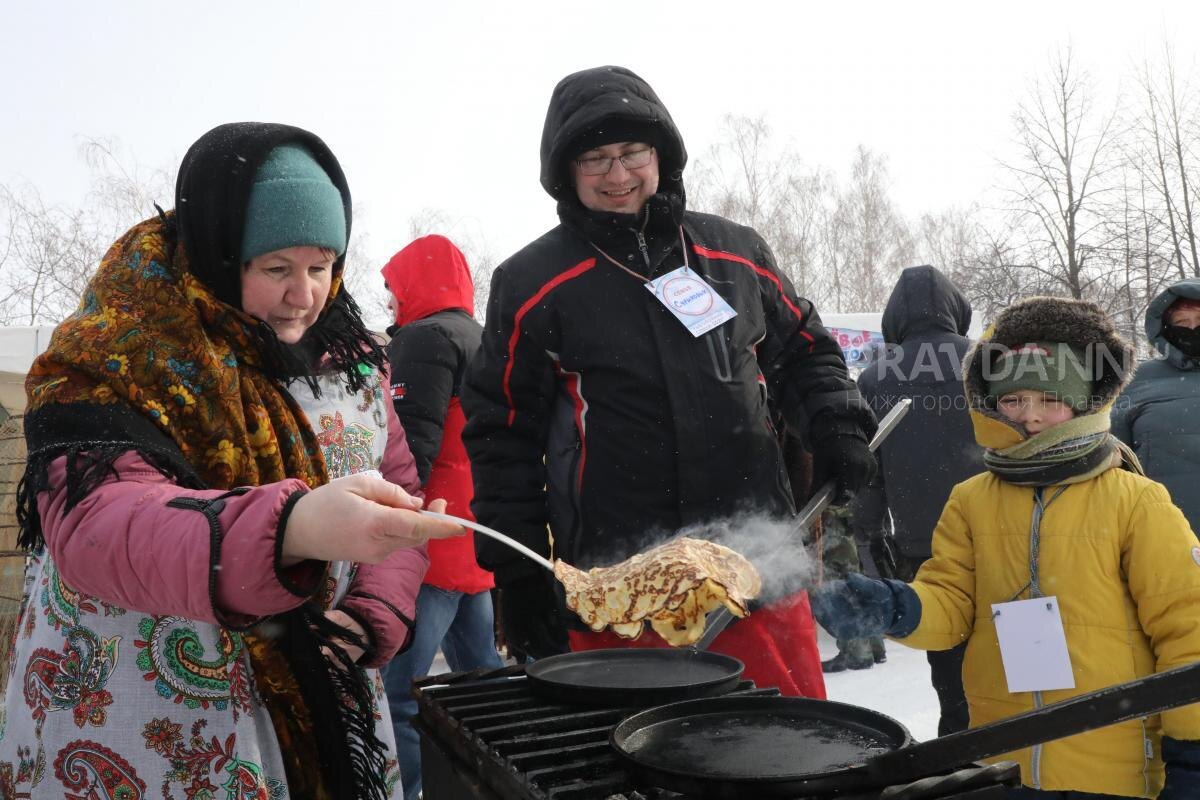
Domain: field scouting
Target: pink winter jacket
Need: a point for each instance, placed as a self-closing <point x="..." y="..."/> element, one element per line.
<point x="124" y="545"/>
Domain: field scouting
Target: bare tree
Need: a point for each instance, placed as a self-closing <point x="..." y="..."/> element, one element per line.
<point x="50" y="252"/>
<point x="363" y="281"/>
<point x="1163" y="137"/>
<point x="1059" y="180"/>
<point x="123" y="191"/>
<point x="870" y="240"/>
<point x="749" y="178"/>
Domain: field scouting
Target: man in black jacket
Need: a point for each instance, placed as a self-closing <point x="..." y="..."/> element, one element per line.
<point x="621" y="390"/>
<point x="924" y="329"/>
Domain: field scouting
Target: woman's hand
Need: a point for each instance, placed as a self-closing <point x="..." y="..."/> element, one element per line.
<point x="359" y="518"/>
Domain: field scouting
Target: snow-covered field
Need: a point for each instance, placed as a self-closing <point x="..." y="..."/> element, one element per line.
<point x="899" y="688"/>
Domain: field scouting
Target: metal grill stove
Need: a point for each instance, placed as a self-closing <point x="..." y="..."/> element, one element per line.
<point x="487" y="736"/>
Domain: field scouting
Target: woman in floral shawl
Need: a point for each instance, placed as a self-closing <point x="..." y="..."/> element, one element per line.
<point x="208" y="575"/>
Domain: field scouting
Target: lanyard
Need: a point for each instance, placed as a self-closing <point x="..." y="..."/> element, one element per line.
<point x="638" y="275"/>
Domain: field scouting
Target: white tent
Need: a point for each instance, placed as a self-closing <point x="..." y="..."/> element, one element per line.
<point x="19" y="346"/>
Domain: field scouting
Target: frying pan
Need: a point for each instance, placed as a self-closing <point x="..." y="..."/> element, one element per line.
<point x="633" y="677"/>
<point x="741" y="747"/>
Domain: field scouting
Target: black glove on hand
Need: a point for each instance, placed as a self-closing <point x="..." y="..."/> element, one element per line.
<point x="846" y="459"/>
<point x="860" y="607"/>
<point x="530" y="618"/>
<point x="1182" y="758"/>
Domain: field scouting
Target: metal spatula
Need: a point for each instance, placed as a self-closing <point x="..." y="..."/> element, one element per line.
<point x="497" y="535"/>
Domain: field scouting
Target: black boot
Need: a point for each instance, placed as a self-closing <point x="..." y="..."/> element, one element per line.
<point x="878" y="652"/>
<point x="850" y="657"/>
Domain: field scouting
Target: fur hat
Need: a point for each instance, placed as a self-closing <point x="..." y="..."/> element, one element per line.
<point x="1080" y="325"/>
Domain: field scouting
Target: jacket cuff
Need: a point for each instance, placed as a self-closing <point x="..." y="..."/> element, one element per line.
<point x="302" y="579"/>
<point x="378" y="617"/>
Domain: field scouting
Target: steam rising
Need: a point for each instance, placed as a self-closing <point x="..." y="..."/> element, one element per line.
<point x="775" y="546"/>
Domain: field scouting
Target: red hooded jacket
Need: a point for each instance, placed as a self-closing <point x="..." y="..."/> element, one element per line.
<point x="432" y="341"/>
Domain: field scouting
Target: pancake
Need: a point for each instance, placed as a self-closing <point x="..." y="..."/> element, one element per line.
<point x="673" y="587"/>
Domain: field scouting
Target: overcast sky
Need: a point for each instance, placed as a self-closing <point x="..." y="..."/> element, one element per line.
<point x="440" y="104"/>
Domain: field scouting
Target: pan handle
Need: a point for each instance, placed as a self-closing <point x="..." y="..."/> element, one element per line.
<point x="1107" y="706"/>
<point x="812" y="509"/>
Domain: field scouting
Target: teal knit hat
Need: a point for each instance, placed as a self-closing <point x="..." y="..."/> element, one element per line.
<point x="293" y="204"/>
<point x="1056" y="368"/>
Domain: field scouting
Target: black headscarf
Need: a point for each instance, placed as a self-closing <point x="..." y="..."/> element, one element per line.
<point x="211" y="195"/>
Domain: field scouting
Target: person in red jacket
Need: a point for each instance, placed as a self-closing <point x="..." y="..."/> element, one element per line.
<point x="435" y="335"/>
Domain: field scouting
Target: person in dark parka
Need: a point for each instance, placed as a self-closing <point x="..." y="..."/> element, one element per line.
<point x="924" y="329"/>
<point x="594" y="411"/>
<point x="1159" y="414"/>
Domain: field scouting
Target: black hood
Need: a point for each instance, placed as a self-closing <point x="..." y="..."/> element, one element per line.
<point x="211" y="196"/>
<point x="213" y="190"/>
<point x="924" y="300"/>
<point x="583" y="103"/>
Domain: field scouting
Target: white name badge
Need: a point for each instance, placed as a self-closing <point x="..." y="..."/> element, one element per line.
<point x="693" y="302"/>
<point x="1033" y="645"/>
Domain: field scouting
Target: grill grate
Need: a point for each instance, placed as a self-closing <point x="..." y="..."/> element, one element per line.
<point x="488" y="736"/>
<point x="527" y="748"/>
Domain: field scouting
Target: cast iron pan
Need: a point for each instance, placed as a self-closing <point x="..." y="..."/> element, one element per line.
<point x="756" y="747"/>
<point x="634" y="677"/>
<point x="739" y="747"/>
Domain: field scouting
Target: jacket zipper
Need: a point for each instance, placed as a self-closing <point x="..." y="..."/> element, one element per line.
<point x="574" y="491"/>
<point x="1035" y="758"/>
<point x="641" y="241"/>
<point x="1147" y="757"/>
<point x="1035" y="590"/>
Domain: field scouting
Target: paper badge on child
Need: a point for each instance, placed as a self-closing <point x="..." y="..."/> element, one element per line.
<point x="1033" y="645"/>
<point x="693" y="302"/>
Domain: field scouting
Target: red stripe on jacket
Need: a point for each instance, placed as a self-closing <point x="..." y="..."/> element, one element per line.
<point x="549" y="286"/>
<point x="704" y="252"/>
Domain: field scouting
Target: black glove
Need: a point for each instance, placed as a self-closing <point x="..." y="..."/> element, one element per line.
<point x="860" y="607"/>
<point x="846" y="459"/>
<point x="1182" y="758"/>
<point x="530" y="617"/>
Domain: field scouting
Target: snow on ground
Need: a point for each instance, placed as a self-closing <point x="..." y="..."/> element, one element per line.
<point x="899" y="687"/>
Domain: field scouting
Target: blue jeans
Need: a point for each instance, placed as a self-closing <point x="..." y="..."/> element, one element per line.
<point x="462" y="624"/>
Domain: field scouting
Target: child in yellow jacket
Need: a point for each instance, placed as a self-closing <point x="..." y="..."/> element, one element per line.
<point x="1063" y="513"/>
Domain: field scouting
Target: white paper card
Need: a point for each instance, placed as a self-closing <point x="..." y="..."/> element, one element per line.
<point x="693" y="302"/>
<point x="1033" y="645"/>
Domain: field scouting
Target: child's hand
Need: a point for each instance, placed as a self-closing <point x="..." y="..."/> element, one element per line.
<point x="860" y="607"/>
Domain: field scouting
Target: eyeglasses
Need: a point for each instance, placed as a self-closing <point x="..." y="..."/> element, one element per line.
<point x="600" y="165"/>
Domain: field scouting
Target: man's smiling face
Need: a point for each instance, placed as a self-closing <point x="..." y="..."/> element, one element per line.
<point x="621" y="189"/>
